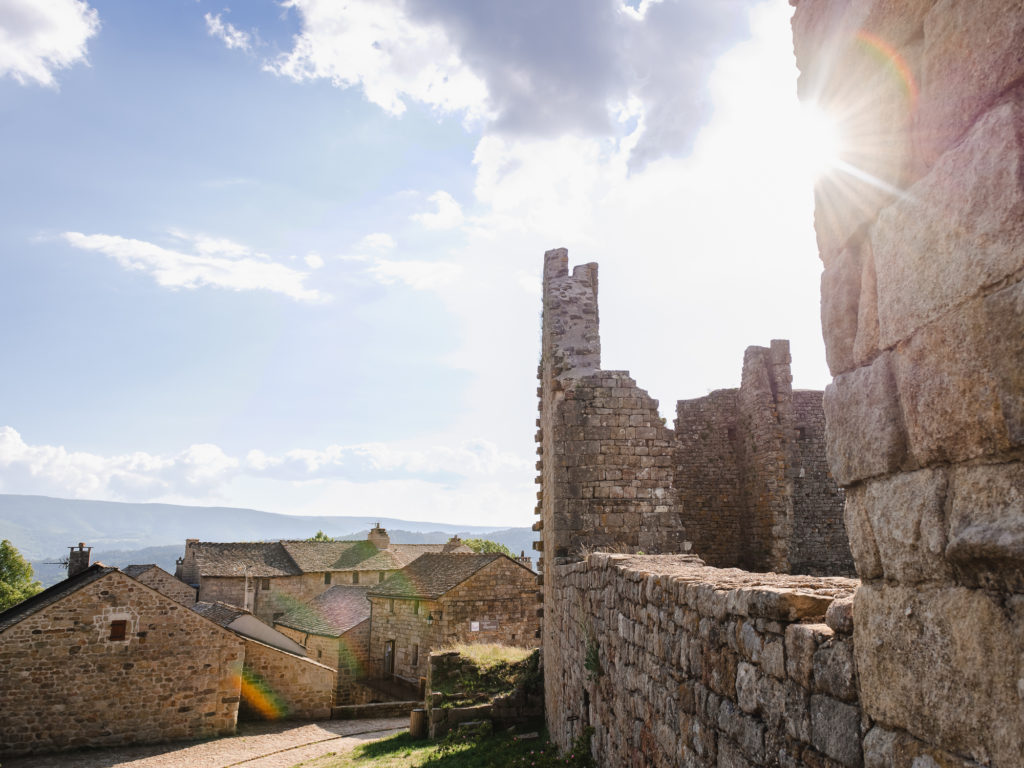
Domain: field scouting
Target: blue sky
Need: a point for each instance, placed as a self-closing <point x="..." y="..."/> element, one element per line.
<point x="287" y="255"/>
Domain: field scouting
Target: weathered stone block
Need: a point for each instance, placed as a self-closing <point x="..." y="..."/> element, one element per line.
<point x="746" y="687"/>
<point x="865" y="435"/>
<point x="1004" y="314"/>
<point x="861" y="535"/>
<point x="950" y="397"/>
<point x="835" y="730"/>
<point x="986" y="526"/>
<point x="943" y="664"/>
<point x="865" y="345"/>
<point x="840" y="297"/>
<point x="906" y="516"/>
<point x="802" y="640"/>
<point x="773" y="658"/>
<point x="834" y="670"/>
<point x="971" y="56"/>
<point x="839" y="616"/>
<point x="958" y="229"/>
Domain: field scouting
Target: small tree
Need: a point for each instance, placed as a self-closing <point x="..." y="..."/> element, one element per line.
<point x="486" y="545"/>
<point x="320" y="536"/>
<point x="16" y="583"/>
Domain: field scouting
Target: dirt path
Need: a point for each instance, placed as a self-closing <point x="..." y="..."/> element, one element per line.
<point x="256" y="745"/>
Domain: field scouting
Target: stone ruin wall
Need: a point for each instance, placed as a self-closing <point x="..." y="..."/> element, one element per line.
<point x="923" y="318"/>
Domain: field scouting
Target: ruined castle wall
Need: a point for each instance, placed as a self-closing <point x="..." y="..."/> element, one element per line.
<point x="674" y="663"/>
<point x="923" y="318"/>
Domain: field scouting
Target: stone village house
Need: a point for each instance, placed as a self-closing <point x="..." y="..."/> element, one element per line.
<point x="272" y="578"/>
<point x="104" y="659"/>
<point x="444" y="598"/>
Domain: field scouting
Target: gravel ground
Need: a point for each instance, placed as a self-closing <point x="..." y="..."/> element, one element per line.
<point x="256" y="745"/>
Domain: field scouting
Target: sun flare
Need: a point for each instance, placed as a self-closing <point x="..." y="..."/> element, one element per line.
<point x="819" y="141"/>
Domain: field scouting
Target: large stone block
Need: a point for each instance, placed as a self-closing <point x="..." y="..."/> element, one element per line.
<point x="958" y="229"/>
<point x="944" y="664"/>
<point x="861" y="536"/>
<point x="971" y="56"/>
<point x="902" y="516"/>
<point x="835" y="730"/>
<point x="950" y="397"/>
<point x="840" y="296"/>
<point x="1004" y="317"/>
<point x="864" y="423"/>
<point x="986" y="525"/>
<point x="865" y="345"/>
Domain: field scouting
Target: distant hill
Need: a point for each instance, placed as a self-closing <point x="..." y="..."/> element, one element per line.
<point x="43" y="528"/>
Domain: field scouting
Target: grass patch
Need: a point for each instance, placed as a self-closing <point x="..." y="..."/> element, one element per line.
<point x="491" y="670"/>
<point x="463" y="748"/>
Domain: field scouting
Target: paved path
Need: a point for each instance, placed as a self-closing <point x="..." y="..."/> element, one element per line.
<point x="257" y="745"/>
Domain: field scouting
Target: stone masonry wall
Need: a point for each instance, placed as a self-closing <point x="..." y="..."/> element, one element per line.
<point x="923" y="318"/>
<point x="348" y="655"/>
<point x="165" y="584"/>
<point x="408" y="628"/>
<point x="65" y="685"/>
<point x="674" y="663"/>
<point x="281" y="685"/>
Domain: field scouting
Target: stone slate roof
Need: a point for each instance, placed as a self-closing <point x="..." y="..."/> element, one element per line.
<point x="137" y="570"/>
<point x="53" y="594"/>
<point x="292" y="558"/>
<point x="218" y="612"/>
<point x="332" y="613"/>
<point x="433" y="574"/>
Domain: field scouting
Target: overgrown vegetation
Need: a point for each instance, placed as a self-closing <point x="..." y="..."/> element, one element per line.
<point x="495" y="669"/>
<point x="465" y="747"/>
<point x="486" y="545"/>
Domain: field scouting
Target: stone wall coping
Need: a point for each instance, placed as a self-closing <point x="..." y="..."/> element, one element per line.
<point x="305" y="659"/>
<point x="719" y="592"/>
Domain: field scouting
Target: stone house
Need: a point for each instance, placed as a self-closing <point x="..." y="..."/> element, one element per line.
<point x="272" y="578"/>
<point x="445" y="598"/>
<point x="102" y="659"/>
<point x="156" y="577"/>
<point x="242" y="622"/>
<point x="334" y="627"/>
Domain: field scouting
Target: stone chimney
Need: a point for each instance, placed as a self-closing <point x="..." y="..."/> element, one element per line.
<point x="78" y="560"/>
<point x="379" y="537"/>
<point x="452" y="544"/>
<point x="524" y="560"/>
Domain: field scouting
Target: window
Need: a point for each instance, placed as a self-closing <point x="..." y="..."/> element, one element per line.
<point x="391" y="606"/>
<point x="264" y="583"/>
<point x="327" y="578"/>
<point x="381" y="576"/>
<point x="415" y="655"/>
<point x="415" y="607"/>
<point x="119" y="629"/>
<point x="355" y="577"/>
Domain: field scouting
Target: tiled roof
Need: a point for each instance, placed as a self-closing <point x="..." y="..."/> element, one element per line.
<point x="316" y="556"/>
<point x="137" y="570"/>
<point x="431" y="575"/>
<point x="331" y="613"/>
<point x="53" y="594"/>
<point x="232" y="558"/>
<point x="218" y="612"/>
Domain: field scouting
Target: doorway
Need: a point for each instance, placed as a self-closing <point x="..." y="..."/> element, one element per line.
<point x="389" y="659"/>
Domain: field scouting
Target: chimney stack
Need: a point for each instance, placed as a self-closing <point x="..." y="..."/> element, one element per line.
<point x="379" y="537"/>
<point x="452" y="544"/>
<point x="78" y="560"/>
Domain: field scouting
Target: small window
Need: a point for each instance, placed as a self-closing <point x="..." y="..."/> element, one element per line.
<point x="264" y="583"/>
<point x="415" y="655"/>
<point x="327" y="578"/>
<point x="415" y="607"/>
<point x="319" y="653"/>
<point x="355" y="577"/>
<point x="381" y="576"/>
<point x="801" y="433"/>
<point x="731" y="433"/>
<point x="391" y="606"/>
<point x="118" y="629"/>
<point x="278" y="615"/>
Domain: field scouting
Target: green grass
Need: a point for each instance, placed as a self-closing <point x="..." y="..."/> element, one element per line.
<point x="486" y="655"/>
<point x="496" y="669"/>
<point x="459" y="751"/>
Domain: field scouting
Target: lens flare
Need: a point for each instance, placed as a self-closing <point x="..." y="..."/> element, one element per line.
<point x="818" y="140"/>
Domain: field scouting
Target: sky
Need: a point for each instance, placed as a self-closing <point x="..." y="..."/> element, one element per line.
<point x="287" y="255"/>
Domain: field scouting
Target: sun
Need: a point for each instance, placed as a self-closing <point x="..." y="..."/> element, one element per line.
<point x="818" y="141"/>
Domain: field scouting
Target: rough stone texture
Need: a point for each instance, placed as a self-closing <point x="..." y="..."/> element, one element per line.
<point x="278" y="685"/>
<point x="157" y="578"/>
<point x="348" y="654"/>
<point x="65" y="685"/>
<point x="925" y="428"/>
<point x="682" y="665"/>
<point x="865" y="434"/>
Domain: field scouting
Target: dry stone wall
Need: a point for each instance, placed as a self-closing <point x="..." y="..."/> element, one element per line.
<point x="674" y="663"/>
<point x="281" y="685"/>
<point x="923" y="318"/>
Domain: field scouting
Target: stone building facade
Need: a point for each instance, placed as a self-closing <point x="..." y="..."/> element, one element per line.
<point x="272" y="578"/>
<point x="441" y="599"/>
<point x="101" y="659"/>
<point x="156" y="577"/>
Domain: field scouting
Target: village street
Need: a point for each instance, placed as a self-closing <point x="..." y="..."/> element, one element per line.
<point x="256" y="745"/>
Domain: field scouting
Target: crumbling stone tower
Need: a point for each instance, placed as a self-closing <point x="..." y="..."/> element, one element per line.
<point x="923" y="316"/>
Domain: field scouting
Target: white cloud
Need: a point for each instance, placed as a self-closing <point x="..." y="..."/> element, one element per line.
<point x="376" y="241"/>
<point x="204" y="470"/>
<point x="374" y="44"/>
<point x="418" y="275"/>
<point x="216" y="262"/>
<point x="314" y="260"/>
<point x="228" y="33"/>
<point x="40" y="37"/>
<point x="447" y="216"/>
